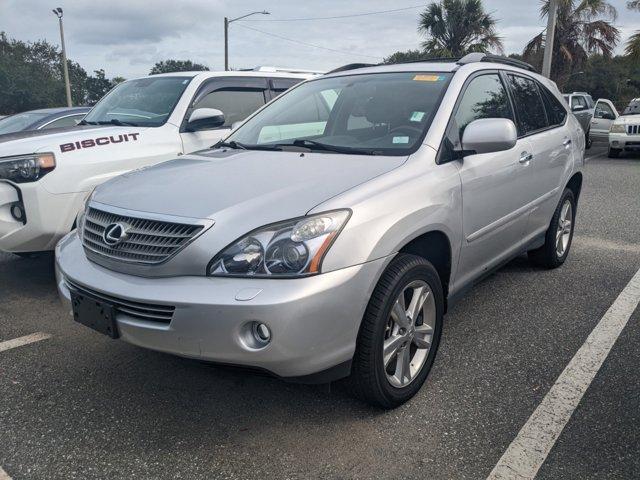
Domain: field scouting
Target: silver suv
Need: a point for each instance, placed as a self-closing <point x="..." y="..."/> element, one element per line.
<point x="328" y="234"/>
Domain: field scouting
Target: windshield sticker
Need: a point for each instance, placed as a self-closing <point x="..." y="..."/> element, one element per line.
<point x="416" y="116"/>
<point x="400" y="139"/>
<point x="98" y="142"/>
<point x="428" y="78"/>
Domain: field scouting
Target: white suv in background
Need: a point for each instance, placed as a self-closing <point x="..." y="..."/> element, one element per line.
<point x="45" y="177"/>
<point x="624" y="134"/>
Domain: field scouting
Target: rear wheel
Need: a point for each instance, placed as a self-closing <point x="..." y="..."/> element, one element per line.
<point x="400" y="332"/>
<point x="614" y="152"/>
<point x="588" y="141"/>
<point x="559" y="234"/>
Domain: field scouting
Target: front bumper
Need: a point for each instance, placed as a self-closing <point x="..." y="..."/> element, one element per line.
<point x="314" y="321"/>
<point x="48" y="217"/>
<point x="622" y="141"/>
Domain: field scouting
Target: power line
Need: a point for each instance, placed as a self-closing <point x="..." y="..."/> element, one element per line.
<point x="239" y="24"/>
<point x="337" y="16"/>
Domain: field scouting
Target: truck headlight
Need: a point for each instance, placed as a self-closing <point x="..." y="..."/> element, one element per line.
<point x="293" y="248"/>
<point x="26" y="168"/>
<point x="617" y="128"/>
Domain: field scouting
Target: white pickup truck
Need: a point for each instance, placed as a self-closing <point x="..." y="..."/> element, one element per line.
<point x="45" y="176"/>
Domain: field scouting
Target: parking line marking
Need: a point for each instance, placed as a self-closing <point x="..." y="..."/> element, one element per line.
<point x="528" y="451"/>
<point x="4" y="475"/>
<point x="20" y="341"/>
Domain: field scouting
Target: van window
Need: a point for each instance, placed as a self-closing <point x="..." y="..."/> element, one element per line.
<point x="528" y="103"/>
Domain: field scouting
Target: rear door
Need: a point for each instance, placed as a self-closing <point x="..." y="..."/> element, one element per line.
<point x="236" y="97"/>
<point x="542" y="120"/>
<point x="493" y="184"/>
<point x="580" y="108"/>
<point x="604" y="114"/>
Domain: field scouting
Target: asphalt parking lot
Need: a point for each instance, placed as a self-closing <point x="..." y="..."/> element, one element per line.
<point x="79" y="405"/>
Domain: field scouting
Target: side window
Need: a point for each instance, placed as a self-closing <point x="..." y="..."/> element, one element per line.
<point x="484" y="97"/>
<point x="281" y="85"/>
<point x="603" y="110"/>
<point x="555" y="110"/>
<point x="71" y="121"/>
<point x="529" y="105"/>
<point x="236" y="103"/>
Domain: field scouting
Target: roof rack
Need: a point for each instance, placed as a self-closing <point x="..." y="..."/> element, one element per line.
<point x="487" y="57"/>
<point x="264" y="68"/>
<point x="351" y="66"/>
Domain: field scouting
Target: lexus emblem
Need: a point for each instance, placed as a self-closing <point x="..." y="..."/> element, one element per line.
<point x="115" y="233"/>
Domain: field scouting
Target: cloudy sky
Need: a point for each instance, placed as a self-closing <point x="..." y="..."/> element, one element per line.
<point x="126" y="37"/>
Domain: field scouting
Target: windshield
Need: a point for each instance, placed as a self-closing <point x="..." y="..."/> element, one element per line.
<point x="146" y="102"/>
<point x="20" y="121"/>
<point x="382" y="113"/>
<point x="632" y="109"/>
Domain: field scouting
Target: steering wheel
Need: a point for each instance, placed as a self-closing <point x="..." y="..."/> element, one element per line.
<point x="406" y="129"/>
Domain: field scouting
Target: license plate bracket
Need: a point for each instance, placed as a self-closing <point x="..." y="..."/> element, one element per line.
<point x="94" y="313"/>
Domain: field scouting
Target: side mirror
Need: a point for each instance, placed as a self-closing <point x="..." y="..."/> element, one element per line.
<point x="204" y="119"/>
<point x="489" y="135"/>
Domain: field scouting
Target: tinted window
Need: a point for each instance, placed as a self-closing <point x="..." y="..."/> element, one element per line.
<point x="603" y="110"/>
<point x="555" y="110"/>
<point x="578" y="102"/>
<point x="70" y="121"/>
<point x="280" y="85"/>
<point x="484" y="97"/>
<point x="529" y="106"/>
<point x="20" y="121"/>
<point x="236" y="104"/>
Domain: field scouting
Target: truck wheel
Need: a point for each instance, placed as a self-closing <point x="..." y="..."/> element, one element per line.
<point x="559" y="234"/>
<point x="399" y="334"/>
<point x="613" y="152"/>
<point x="588" y="141"/>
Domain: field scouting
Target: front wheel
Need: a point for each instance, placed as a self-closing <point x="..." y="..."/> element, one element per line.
<point x="588" y="141"/>
<point x="613" y="152"/>
<point x="400" y="333"/>
<point x="559" y="234"/>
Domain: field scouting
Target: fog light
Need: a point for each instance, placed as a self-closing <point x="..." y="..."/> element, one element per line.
<point x="261" y="333"/>
<point x="17" y="212"/>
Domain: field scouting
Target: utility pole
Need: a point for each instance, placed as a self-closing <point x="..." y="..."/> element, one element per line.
<point x="226" y="34"/>
<point x="58" y="13"/>
<point x="548" y="41"/>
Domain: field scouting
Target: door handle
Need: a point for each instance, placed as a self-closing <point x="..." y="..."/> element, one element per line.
<point x="567" y="142"/>
<point x="526" y="157"/>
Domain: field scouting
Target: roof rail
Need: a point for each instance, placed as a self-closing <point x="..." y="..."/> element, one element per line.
<point x="351" y="66"/>
<point x="264" y="68"/>
<point x="487" y="57"/>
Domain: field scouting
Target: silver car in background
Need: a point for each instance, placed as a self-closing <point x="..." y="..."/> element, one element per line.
<point x="327" y="236"/>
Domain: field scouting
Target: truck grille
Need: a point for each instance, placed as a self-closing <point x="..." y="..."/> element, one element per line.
<point x="633" y="129"/>
<point x="142" y="311"/>
<point x="147" y="242"/>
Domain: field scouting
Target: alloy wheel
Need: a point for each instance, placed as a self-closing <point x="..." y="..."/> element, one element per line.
<point x="563" y="233"/>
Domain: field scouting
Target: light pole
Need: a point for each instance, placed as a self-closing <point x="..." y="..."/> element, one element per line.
<point x="58" y="13"/>
<point x="227" y="21"/>
<point x="548" y="41"/>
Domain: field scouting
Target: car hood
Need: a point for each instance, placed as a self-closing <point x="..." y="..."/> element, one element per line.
<point x="260" y="186"/>
<point x="627" y="119"/>
<point x="34" y="141"/>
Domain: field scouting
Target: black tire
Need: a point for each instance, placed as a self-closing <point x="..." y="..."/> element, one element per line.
<point x="368" y="380"/>
<point x="547" y="255"/>
<point x="30" y="255"/>
<point x="614" y="152"/>
<point x="588" y="140"/>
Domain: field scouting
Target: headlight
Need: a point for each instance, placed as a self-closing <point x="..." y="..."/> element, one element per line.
<point x="81" y="215"/>
<point x="26" y="168"/>
<point x="294" y="248"/>
<point x="617" y="128"/>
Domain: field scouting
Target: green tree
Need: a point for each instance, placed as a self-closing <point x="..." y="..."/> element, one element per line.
<point x="169" y="66"/>
<point x="408" y="56"/>
<point x="583" y="27"/>
<point x="457" y="27"/>
<point x="632" y="48"/>
<point x="97" y="86"/>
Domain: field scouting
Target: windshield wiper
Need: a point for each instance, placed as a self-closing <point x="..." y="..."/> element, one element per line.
<point x="242" y="146"/>
<point x="312" y="144"/>
<point x="117" y="122"/>
<point x="84" y="122"/>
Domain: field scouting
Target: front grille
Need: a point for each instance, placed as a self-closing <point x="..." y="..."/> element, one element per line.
<point x="148" y="242"/>
<point x="143" y="311"/>
<point x="633" y="129"/>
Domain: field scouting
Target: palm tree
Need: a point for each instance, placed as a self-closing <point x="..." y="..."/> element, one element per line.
<point x="583" y="27"/>
<point x="457" y="27"/>
<point x="632" y="47"/>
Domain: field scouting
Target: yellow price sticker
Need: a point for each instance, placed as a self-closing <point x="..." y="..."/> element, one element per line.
<point x="427" y="78"/>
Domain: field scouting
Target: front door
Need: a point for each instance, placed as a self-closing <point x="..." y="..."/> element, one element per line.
<point x="493" y="184"/>
<point x="604" y="114"/>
